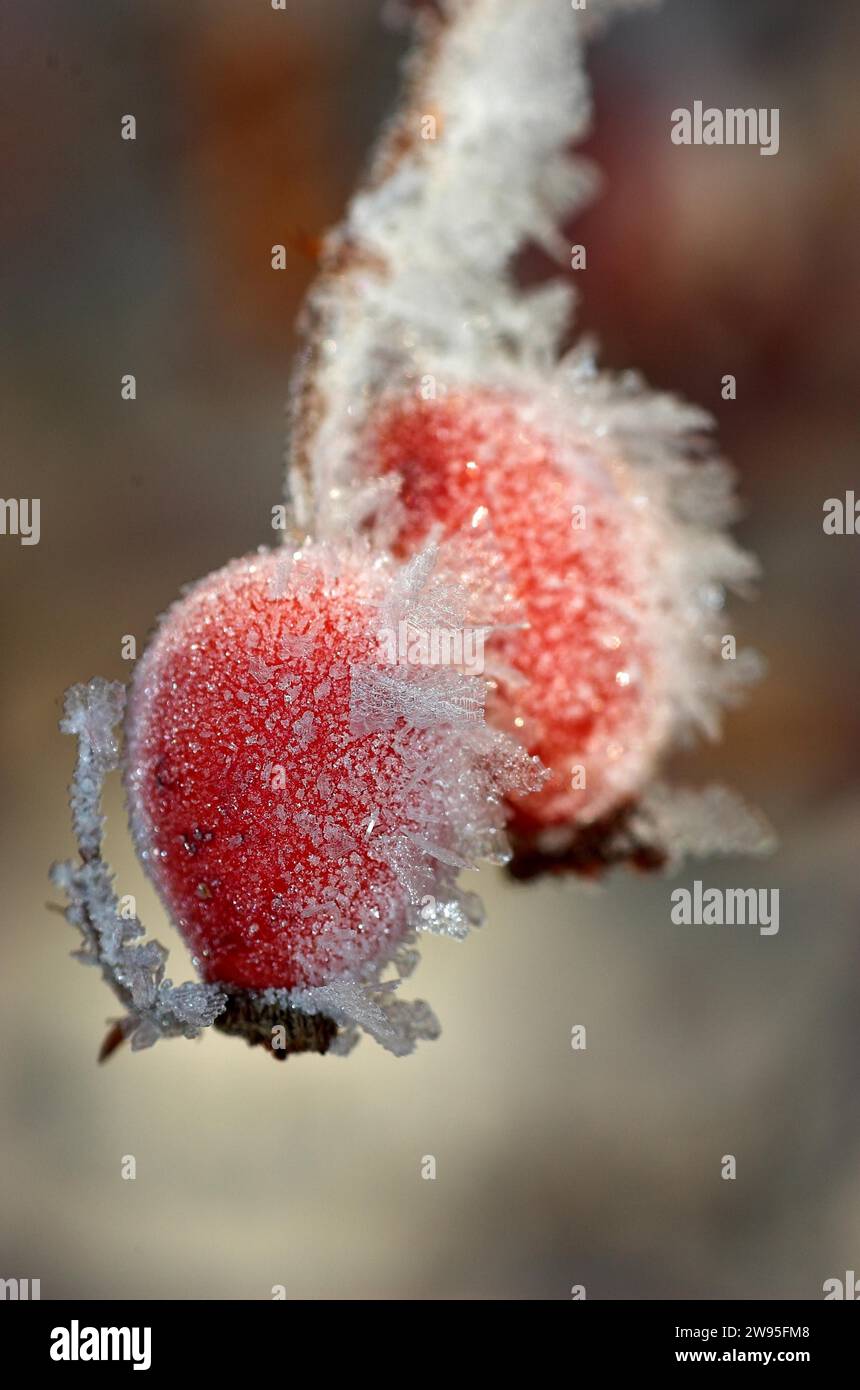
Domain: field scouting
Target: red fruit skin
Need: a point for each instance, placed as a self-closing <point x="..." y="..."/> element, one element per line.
<point x="257" y="812"/>
<point x="591" y="682"/>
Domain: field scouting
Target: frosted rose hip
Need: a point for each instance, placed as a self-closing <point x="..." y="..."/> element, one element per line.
<point x="588" y="689"/>
<point x="270" y="828"/>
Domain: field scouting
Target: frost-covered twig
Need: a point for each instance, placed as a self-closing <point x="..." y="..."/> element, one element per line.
<point x="134" y="969"/>
<point x="475" y="162"/>
<point x="713" y="820"/>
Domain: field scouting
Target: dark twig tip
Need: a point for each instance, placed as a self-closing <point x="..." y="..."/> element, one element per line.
<point x="113" y="1039"/>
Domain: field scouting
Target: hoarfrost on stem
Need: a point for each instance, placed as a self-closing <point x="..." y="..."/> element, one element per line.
<point x="416" y="283"/>
<point x="396" y="1024"/>
<point x="704" y="821"/>
<point x="134" y="969"/>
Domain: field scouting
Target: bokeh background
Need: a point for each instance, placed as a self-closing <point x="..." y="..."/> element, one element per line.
<point x="554" y="1168"/>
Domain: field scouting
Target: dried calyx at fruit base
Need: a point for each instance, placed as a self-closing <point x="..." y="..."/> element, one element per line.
<point x="305" y="778"/>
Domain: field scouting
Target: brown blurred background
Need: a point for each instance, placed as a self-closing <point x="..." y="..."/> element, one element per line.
<point x="554" y="1167"/>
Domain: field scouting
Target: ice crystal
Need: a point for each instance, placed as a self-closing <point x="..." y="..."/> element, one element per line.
<point x="396" y="1024"/>
<point x="711" y="820"/>
<point x="379" y="699"/>
<point x="133" y="968"/>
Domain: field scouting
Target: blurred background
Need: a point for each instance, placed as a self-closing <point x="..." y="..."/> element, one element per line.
<point x="554" y="1167"/>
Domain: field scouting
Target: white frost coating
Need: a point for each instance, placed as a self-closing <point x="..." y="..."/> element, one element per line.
<point x="423" y="699"/>
<point x="134" y="969"/>
<point x="450" y="586"/>
<point x="646" y="442"/>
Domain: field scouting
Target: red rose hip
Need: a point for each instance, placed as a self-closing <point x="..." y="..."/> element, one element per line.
<point x="607" y="664"/>
<point x="290" y="849"/>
